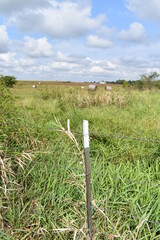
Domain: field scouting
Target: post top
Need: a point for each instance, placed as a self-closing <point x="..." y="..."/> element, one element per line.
<point x="86" y="134"/>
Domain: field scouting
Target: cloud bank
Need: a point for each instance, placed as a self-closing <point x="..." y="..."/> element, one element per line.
<point x="145" y="9"/>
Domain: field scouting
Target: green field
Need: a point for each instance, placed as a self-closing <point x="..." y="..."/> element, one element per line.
<point x="42" y="182"/>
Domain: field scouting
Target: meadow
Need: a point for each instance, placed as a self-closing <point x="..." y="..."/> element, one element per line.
<point x="42" y="177"/>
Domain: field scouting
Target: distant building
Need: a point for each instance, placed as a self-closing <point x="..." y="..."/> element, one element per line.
<point x="102" y="82"/>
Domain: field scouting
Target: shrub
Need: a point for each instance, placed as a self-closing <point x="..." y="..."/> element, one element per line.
<point x="149" y="79"/>
<point x="7" y="81"/>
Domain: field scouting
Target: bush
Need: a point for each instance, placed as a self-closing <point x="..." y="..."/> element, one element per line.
<point x="7" y="81"/>
<point x="148" y="80"/>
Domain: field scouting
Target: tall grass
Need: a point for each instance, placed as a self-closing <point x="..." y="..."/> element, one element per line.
<point x="46" y="198"/>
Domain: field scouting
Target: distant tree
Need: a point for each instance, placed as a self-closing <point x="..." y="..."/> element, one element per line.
<point x="125" y="84"/>
<point x="130" y="82"/>
<point x="7" y="81"/>
<point x="148" y="79"/>
<point x="119" y="81"/>
<point x="139" y="84"/>
<point x="157" y="84"/>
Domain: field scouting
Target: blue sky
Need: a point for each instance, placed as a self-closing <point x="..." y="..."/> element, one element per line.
<point x="79" y="40"/>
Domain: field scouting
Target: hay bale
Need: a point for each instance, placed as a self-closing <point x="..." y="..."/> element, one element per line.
<point x="92" y="87"/>
<point x="108" y="88"/>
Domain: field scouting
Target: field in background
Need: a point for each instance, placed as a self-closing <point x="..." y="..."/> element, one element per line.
<point x="58" y="83"/>
<point x="48" y="198"/>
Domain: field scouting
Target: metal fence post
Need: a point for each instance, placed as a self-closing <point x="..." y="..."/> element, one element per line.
<point x="88" y="176"/>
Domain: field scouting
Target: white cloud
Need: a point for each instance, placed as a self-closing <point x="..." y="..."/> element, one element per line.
<point x="63" y="66"/>
<point x="145" y="9"/>
<point x="61" y="57"/>
<point x="133" y="62"/>
<point x="96" y="69"/>
<point x="102" y="67"/>
<point x="36" y="48"/>
<point x="69" y="63"/>
<point x="26" y="62"/>
<point x="4" y="39"/>
<point x="64" y="19"/>
<point x="12" y="6"/>
<point x="135" y="34"/>
<point x="97" y="42"/>
<point x="68" y="58"/>
<point x="77" y="68"/>
<point x="8" y="60"/>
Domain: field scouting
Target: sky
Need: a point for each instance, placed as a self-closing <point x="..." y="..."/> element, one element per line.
<point x="79" y="40"/>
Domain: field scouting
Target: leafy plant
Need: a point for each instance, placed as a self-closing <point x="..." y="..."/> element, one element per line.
<point x="148" y="79"/>
<point x="8" y="81"/>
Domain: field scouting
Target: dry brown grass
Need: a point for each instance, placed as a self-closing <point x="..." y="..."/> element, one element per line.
<point x="98" y="99"/>
<point x="8" y="164"/>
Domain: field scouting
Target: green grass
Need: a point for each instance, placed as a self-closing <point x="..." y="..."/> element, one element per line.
<point x="46" y="199"/>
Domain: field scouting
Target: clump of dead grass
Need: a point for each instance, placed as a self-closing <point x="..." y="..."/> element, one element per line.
<point x="8" y="167"/>
<point x="97" y="99"/>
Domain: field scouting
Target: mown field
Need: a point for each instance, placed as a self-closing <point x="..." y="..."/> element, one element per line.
<point x="42" y="182"/>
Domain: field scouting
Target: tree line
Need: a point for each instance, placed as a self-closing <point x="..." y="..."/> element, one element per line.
<point x="146" y="81"/>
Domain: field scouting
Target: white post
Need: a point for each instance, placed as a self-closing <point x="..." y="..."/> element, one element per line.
<point x="88" y="177"/>
<point x="68" y="125"/>
<point x="86" y="134"/>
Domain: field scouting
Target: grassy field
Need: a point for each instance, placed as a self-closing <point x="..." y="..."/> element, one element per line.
<point x="42" y="177"/>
